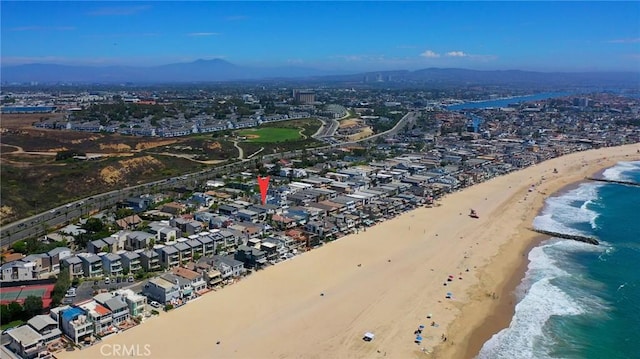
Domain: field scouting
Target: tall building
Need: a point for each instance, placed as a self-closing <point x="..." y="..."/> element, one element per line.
<point x="303" y="96"/>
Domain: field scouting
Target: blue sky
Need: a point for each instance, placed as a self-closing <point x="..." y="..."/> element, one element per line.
<point x="541" y="36"/>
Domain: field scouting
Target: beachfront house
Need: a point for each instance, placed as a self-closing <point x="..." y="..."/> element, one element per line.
<point x="99" y="315"/>
<point x="46" y="326"/>
<point x="195" y="279"/>
<point x="251" y="257"/>
<point x="161" y="290"/>
<point x="226" y="265"/>
<point x="26" y="342"/>
<point x="185" y="289"/>
<point x="116" y="304"/>
<point x="75" y="324"/>
<point x="137" y="304"/>
<point x="211" y="276"/>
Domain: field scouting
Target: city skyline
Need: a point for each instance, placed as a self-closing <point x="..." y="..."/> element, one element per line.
<point x="340" y="36"/>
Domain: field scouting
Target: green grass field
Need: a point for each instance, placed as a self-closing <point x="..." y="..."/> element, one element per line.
<point x="270" y="134"/>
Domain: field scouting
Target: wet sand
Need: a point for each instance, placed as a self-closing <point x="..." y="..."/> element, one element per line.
<point x="385" y="280"/>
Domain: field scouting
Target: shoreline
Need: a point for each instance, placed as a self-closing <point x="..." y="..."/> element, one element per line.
<point x="279" y="312"/>
<point x="498" y="315"/>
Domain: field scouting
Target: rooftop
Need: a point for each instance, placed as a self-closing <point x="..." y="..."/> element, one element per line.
<point x="25" y="335"/>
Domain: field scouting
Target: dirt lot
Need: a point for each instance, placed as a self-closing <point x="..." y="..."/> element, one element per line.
<point x="32" y="180"/>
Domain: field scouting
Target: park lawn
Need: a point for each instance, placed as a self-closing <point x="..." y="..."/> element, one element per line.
<point x="270" y="134"/>
<point x="12" y="324"/>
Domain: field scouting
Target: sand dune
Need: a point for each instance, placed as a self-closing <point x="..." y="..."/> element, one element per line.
<point x="279" y="312"/>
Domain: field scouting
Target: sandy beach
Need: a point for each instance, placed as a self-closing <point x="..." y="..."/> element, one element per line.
<point x="385" y="281"/>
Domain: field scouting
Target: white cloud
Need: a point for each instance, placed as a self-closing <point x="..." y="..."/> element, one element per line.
<point x="624" y="41"/>
<point x="456" y="54"/>
<point x="430" y="54"/>
<point x="202" y="34"/>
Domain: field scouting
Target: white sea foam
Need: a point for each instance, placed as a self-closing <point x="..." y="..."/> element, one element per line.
<point x="620" y="170"/>
<point x="540" y="299"/>
<point x="561" y="212"/>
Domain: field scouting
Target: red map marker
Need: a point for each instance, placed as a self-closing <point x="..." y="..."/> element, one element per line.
<point x="263" y="183"/>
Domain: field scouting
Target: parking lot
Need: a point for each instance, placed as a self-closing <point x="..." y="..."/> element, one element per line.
<point x="86" y="289"/>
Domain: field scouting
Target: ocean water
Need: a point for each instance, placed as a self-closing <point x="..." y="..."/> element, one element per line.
<point x="504" y="102"/>
<point x="579" y="301"/>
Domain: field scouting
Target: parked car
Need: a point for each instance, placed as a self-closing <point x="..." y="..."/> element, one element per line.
<point x="155" y="304"/>
<point x="107" y="280"/>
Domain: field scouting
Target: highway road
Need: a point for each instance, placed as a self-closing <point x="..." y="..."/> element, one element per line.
<point x="38" y="224"/>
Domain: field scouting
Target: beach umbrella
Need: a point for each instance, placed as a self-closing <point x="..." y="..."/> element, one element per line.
<point x="421" y="326"/>
<point x="429" y="315"/>
<point x="449" y="293"/>
<point x="419" y="338"/>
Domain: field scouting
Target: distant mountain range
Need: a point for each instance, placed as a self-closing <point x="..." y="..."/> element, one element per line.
<point x="218" y="70"/>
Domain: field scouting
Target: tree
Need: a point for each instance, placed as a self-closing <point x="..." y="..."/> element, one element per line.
<point x="93" y="225"/>
<point x="15" y="311"/>
<point x="5" y="315"/>
<point x="62" y="286"/>
<point x="32" y="306"/>
<point x="20" y="247"/>
<point x="124" y="212"/>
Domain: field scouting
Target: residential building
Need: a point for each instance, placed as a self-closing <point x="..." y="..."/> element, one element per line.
<point x="99" y="315"/>
<point x="150" y="260"/>
<point x="116" y="304"/>
<point x="212" y="276"/>
<point x="136" y="303"/>
<point x="112" y="264"/>
<point x="75" y="324"/>
<point x="251" y="257"/>
<point x="46" y="326"/>
<point x="26" y="342"/>
<point x="196" y="279"/>
<point x="130" y="262"/>
<point x="75" y="266"/>
<point x="226" y="265"/>
<point x="197" y="248"/>
<point x="17" y="271"/>
<point x="57" y="255"/>
<point x="185" y="289"/>
<point x="207" y="244"/>
<point x="139" y="240"/>
<point x="169" y="256"/>
<point x="161" y="290"/>
<point x="92" y="264"/>
<point x="185" y="252"/>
